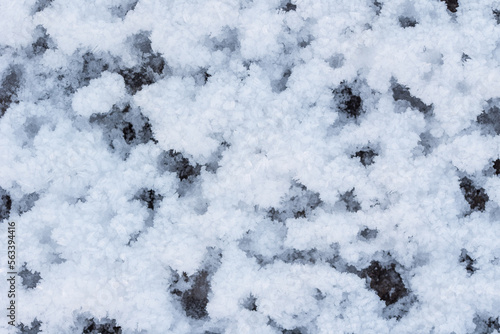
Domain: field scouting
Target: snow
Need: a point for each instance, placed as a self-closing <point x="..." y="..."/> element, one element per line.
<point x="100" y="95"/>
<point x="237" y="166"/>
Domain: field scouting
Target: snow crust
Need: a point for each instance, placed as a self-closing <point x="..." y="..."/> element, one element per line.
<point x="238" y="166"/>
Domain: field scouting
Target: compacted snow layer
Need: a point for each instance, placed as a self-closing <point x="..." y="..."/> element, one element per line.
<point x="239" y="166"/>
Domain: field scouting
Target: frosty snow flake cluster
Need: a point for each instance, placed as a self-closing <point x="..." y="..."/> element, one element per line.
<point x="251" y="166"/>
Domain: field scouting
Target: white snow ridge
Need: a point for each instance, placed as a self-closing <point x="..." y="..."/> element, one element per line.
<point x="250" y="166"/>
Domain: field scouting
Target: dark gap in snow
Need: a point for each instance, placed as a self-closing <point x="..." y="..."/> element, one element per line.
<point x="300" y="204"/>
<point x="378" y="7"/>
<point x="151" y="68"/>
<point x="476" y="197"/>
<point x="92" y="68"/>
<point x="40" y="5"/>
<point x="368" y="234"/>
<point x="175" y="162"/>
<point x="250" y="245"/>
<point x="271" y="322"/>
<point x="452" y="5"/>
<point x="195" y="300"/>
<point x="56" y="258"/>
<point x="176" y="292"/>
<point x="305" y="41"/>
<point x="149" y="59"/>
<point x="42" y="41"/>
<point x="11" y="83"/>
<point x="405" y="21"/>
<point x="280" y="85"/>
<point x="486" y="325"/>
<point x="348" y="103"/>
<point x="288" y="6"/>
<point x="84" y="66"/>
<point x="336" y="61"/>
<point x="310" y="256"/>
<point x="339" y="264"/>
<point x="201" y="76"/>
<point x="142" y="42"/>
<point x="192" y="291"/>
<point x="178" y="283"/>
<point x="246" y="64"/>
<point x="213" y="259"/>
<point x="30" y="279"/>
<point x="349" y="199"/>
<point x="300" y="214"/>
<point x="133" y="238"/>
<point x="402" y="93"/>
<point x="492" y="169"/>
<point x="137" y="77"/>
<point x="149" y="197"/>
<point x="213" y="164"/>
<point x="263" y="260"/>
<point x="33" y="329"/>
<point x="128" y="132"/>
<point x="490" y="118"/>
<point x="124" y="127"/>
<point x="206" y="75"/>
<point x="496" y="166"/>
<point x="68" y="84"/>
<point x="319" y="295"/>
<point x="385" y="281"/>
<point x="467" y="261"/>
<point x="122" y="9"/>
<point x="250" y="303"/>
<point x="31" y="127"/>
<point x="333" y="258"/>
<point x="297" y="330"/>
<point x="5" y="204"/>
<point x="227" y="41"/>
<point x="105" y="326"/>
<point x="27" y="202"/>
<point x="496" y="15"/>
<point x="156" y="63"/>
<point x="465" y="57"/>
<point x="427" y="142"/>
<point x="366" y="156"/>
<point x="400" y="308"/>
<point x="274" y="214"/>
<point x="146" y="133"/>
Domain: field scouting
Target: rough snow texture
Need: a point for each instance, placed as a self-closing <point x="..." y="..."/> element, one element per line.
<point x="266" y="166"/>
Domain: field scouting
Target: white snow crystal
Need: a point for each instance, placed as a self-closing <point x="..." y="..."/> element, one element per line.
<point x="100" y="95"/>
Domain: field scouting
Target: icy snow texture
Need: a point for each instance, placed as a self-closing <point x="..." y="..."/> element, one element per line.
<point x="245" y="166"/>
<point x="100" y="95"/>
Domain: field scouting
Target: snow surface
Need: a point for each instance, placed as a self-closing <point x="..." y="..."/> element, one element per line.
<point x="251" y="166"/>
